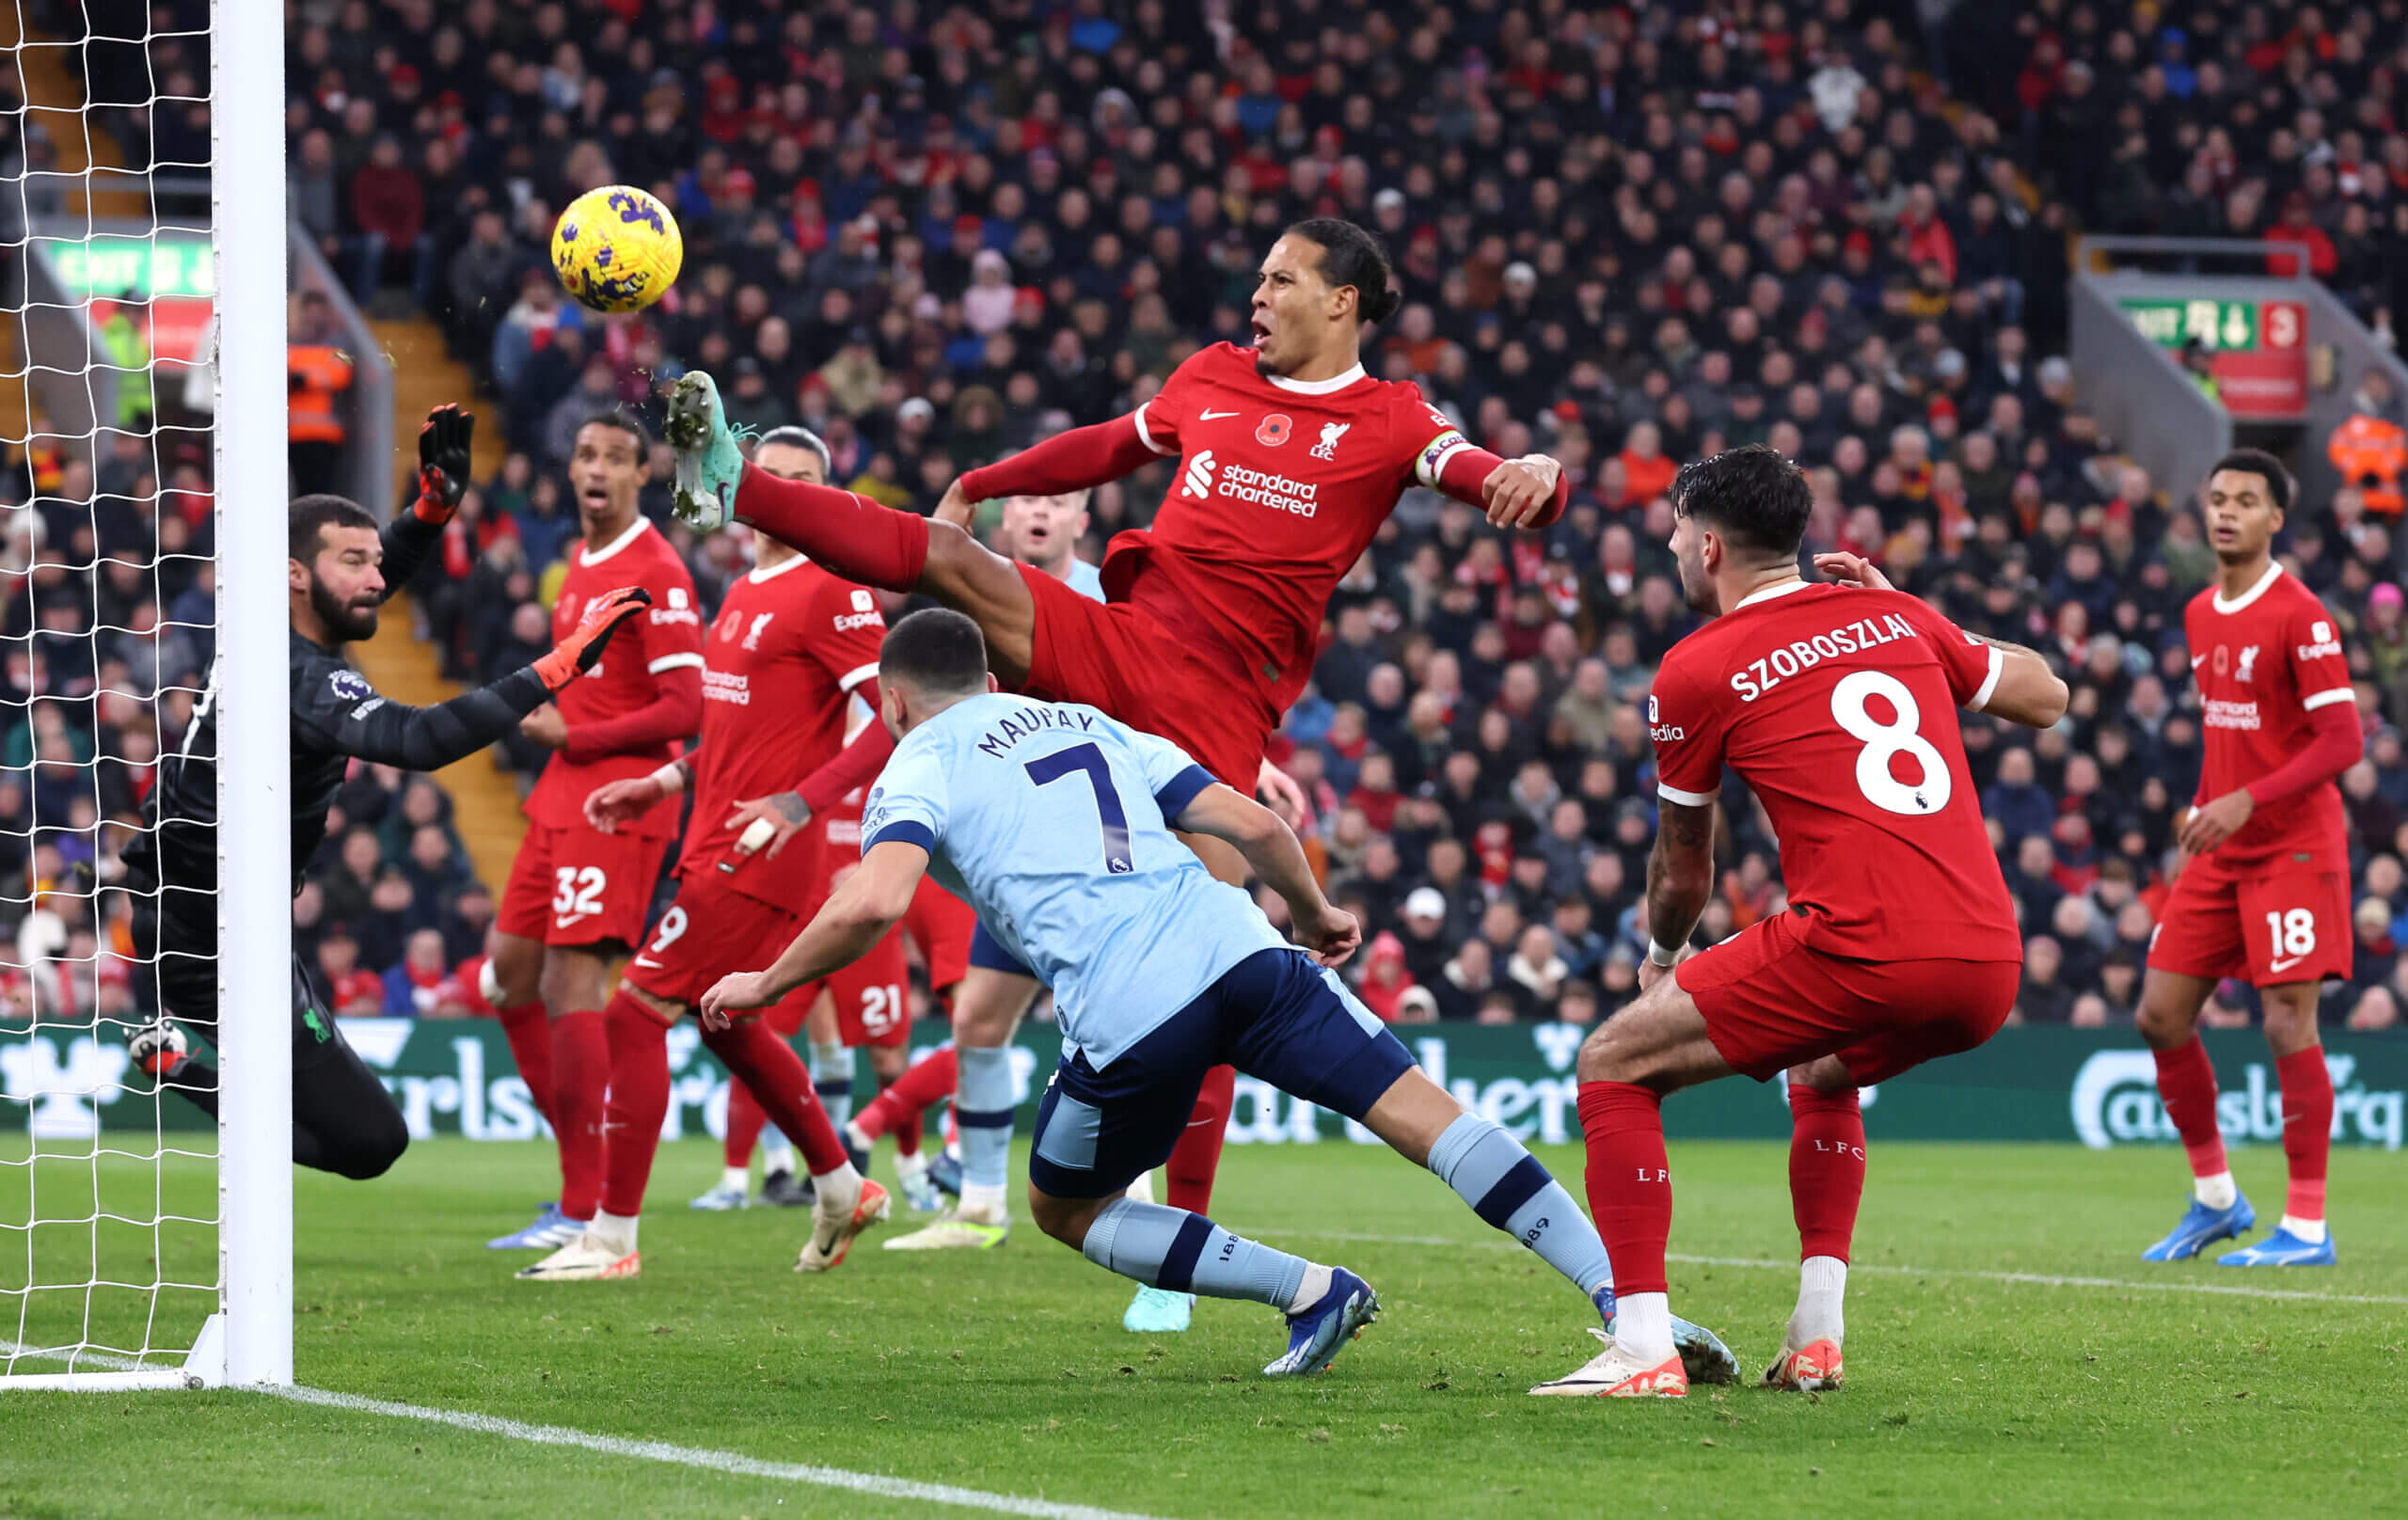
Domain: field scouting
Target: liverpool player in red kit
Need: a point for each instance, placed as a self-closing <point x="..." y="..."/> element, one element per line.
<point x="2263" y="889"/>
<point x="1291" y="457"/>
<point x="1836" y="704"/>
<point x="782" y="662"/>
<point x="577" y="897"/>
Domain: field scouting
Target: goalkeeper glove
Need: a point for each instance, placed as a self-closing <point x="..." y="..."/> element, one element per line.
<point x="583" y="650"/>
<point x="443" y="448"/>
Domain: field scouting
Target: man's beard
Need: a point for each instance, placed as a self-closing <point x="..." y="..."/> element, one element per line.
<point x="344" y="622"/>
<point x="1698" y="592"/>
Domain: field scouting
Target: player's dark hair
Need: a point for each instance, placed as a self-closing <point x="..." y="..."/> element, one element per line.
<point x="625" y="422"/>
<point x="311" y="516"/>
<point x="1754" y="496"/>
<point x="797" y="437"/>
<point x="1350" y="255"/>
<point x="936" y="649"/>
<point x="2263" y="465"/>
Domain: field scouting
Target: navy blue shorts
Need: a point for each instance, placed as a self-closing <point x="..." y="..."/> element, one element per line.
<point x="988" y="951"/>
<point x="1274" y="1015"/>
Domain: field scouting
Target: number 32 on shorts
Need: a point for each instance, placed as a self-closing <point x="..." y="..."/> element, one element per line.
<point x="577" y="891"/>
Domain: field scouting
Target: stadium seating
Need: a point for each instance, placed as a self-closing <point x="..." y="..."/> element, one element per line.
<point x="1642" y="234"/>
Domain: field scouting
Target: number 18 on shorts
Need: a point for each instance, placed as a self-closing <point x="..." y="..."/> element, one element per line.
<point x="2270" y="922"/>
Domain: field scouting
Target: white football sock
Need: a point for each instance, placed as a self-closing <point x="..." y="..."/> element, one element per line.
<point x="1141" y="1190"/>
<point x="614" y="1232"/>
<point x="981" y="1202"/>
<point x="1822" y="1283"/>
<point x="1644" y="1325"/>
<point x="739" y="1177"/>
<point x="840" y="1177"/>
<point x="777" y="1151"/>
<point x="2217" y="1192"/>
<point x="2310" y="1230"/>
<point x="1309" y="1291"/>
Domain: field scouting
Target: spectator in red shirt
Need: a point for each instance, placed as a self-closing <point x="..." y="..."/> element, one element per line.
<point x="1384" y="979"/>
<point x="389" y="209"/>
<point x="2296" y="227"/>
<point x="1646" y="473"/>
<point x="357" y="993"/>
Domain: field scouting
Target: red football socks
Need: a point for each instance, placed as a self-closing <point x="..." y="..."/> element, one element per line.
<point x="851" y="534"/>
<point x="1630" y="1181"/>
<point x="580" y="1074"/>
<point x="530" y="1032"/>
<point x="638" y="1103"/>
<point x="1187" y="1177"/>
<point x="1825" y="1169"/>
<point x="760" y="1060"/>
<point x="745" y="1121"/>
<point x="901" y="1109"/>
<point x="2307" y="1128"/>
<point x="2186" y="1083"/>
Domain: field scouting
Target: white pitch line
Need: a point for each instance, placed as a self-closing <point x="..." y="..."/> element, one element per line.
<point x="726" y="1462"/>
<point x="734" y="1462"/>
<point x="2034" y="1280"/>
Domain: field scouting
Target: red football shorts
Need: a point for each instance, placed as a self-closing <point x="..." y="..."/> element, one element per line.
<point x="2277" y="921"/>
<point x="1111" y="655"/>
<point x="1771" y="1003"/>
<point x="709" y="931"/>
<point x="940" y="923"/>
<point x="871" y="995"/>
<point x="581" y="886"/>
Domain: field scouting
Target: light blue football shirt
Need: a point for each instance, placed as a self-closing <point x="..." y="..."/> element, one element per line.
<point x="1084" y="578"/>
<point x="1050" y="819"/>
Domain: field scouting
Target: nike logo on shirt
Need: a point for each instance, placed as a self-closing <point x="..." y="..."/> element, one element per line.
<point x="2284" y="965"/>
<point x="1212" y="416"/>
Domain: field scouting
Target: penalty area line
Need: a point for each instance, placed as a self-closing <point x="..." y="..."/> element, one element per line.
<point x="2027" y="1279"/>
<point x="880" y="1484"/>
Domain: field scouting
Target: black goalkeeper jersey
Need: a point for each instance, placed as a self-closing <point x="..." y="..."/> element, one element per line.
<point x="337" y="718"/>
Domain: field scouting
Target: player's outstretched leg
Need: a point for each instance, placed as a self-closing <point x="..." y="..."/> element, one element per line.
<point x="846" y="1203"/>
<point x="1825" y="1184"/>
<point x="1186" y="1253"/>
<point x="2301" y="1240"/>
<point x="2186" y="1084"/>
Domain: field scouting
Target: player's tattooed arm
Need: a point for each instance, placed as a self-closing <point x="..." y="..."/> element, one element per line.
<point x="1679" y="876"/>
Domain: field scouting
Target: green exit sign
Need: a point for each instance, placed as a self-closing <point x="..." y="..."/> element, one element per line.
<point x="2220" y="326"/>
<point x="160" y="267"/>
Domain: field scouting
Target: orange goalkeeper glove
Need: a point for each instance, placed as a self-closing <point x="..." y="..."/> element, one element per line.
<point x="583" y="650"/>
<point x="443" y="449"/>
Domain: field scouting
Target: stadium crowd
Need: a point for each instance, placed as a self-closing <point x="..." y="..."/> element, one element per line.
<point x="1625" y="236"/>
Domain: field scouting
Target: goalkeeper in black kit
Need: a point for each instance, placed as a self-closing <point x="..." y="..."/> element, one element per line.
<point x="341" y="569"/>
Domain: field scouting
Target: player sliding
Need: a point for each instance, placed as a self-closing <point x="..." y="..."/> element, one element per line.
<point x="1291" y="457"/>
<point x="1055" y="822"/>
<point x="2264" y="887"/>
<point x="782" y="664"/>
<point x="1835" y="705"/>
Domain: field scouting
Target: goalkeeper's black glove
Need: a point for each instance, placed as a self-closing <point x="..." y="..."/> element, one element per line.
<point x="443" y="449"/>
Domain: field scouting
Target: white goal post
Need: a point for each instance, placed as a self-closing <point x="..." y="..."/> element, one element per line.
<point x="76" y="1202"/>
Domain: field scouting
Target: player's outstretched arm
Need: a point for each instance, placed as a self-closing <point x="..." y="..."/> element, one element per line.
<point x="336" y="709"/>
<point x="857" y="914"/>
<point x="1680" y="878"/>
<point x="443" y="449"/>
<point x="1270" y="847"/>
<point x="1074" y="460"/>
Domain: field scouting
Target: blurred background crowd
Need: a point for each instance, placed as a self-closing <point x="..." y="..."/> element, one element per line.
<point x="1627" y="235"/>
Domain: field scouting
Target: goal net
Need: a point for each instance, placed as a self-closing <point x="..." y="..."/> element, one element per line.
<point x="142" y="1243"/>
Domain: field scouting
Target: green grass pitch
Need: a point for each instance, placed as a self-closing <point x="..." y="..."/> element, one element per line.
<point x="2139" y="1392"/>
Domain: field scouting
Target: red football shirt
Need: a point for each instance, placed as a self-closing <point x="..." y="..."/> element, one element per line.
<point x="2263" y="661"/>
<point x="780" y="666"/>
<point x="667" y="635"/>
<point x="1281" y="486"/>
<point x="1837" y="706"/>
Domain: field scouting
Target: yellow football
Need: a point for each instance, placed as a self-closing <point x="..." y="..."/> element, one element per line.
<point x="617" y="248"/>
